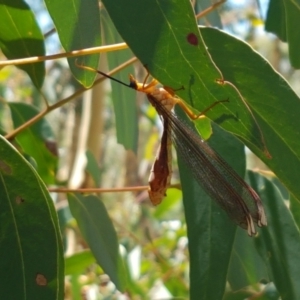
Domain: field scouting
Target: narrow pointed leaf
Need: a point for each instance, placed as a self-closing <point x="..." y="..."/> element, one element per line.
<point x="92" y="167"/>
<point x="78" y="30"/>
<point x="276" y="20"/>
<point x="246" y="266"/>
<point x="271" y="100"/>
<point x="126" y="113"/>
<point x="282" y="19"/>
<point x="295" y="209"/>
<point x="20" y="37"/>
<point x="210" y="231"/>
<point x="98" y="231"/>
<point x="279" y="242"/>
<point x="31" y="265"/>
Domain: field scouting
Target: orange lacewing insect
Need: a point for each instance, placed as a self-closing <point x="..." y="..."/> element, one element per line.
<point x="212" y="173"/>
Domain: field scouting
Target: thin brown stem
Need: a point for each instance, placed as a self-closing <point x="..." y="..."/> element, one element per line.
<point x="102" y="190"/>
<point x="27" y="124"/>
<point x="75" y="53"/>
<point x="209" y="9"/>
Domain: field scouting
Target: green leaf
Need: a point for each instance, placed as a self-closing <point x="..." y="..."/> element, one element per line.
<point x="211" y="233"/>
<point x="174" y="53"/>
<point x="246" y="266"/>
<point x="173" y="197"/>
<point x="279" y="242"/>
<point x="64" y="218"/>
<point x="98" y="231"/>
<point x="295" y="209"/>
<point x="92" y="167"/>
<point x="277" y="118"/>
<point x="125" y="107"/>
<point x="31" y="265"/>
<point x="20" y="37"/>
<point x="292" y="11"/>
<point x="282" y="19"/>
<point x="276" y="21"/>
<point x="76" y="287"/>
<point x="78" y="262"/>
<point x="78" y="27"/>
<point x="37" y="140"/>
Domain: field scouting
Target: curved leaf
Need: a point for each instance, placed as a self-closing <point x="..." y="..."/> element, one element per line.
<point x="282" y="19"/>
<point x="31" y="265"/>
<point x="126" y="114"/>
<point x="98" y="231"/>
<point x="92" y="167"/>
<point x="165" y="37"/>
<point x="78" y="26"/>
<point x="211" y="233"/>
<point x="246" y="266"/>
<point x="295" y="209"/>
<point x="273" y="101"/>
<point x="279" y="242"/>
<point x="275" y="21"/>
<point x="20" y="36"/>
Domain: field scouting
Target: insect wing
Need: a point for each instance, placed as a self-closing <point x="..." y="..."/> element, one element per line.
<point x="217" y="178"/>
<point x="161" y="171"/>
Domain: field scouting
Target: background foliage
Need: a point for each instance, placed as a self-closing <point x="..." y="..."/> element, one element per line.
<point x="57" y="134"/>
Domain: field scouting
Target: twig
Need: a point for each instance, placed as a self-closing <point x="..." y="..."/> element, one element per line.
<point x="102" y="190"/>
<point x="209" y="9"/>
<point x="75" y="53"/>
<point x="60" y="103"/>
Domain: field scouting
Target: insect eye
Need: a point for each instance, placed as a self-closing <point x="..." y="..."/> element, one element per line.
<point x="133" y="84"/>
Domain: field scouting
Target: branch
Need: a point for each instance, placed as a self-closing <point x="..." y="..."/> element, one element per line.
<point x="60" y="103"/>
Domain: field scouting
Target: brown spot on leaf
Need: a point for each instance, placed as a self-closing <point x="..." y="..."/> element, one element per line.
<point x="192" y="39"/>
<point x="41" y="280"/>
<point x="5" y="168"/>
<point x="19" y="200"/>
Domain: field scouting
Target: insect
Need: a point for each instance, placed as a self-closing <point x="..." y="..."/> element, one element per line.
<point x="161" y="171"/>
<point x="216" y="177"/>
